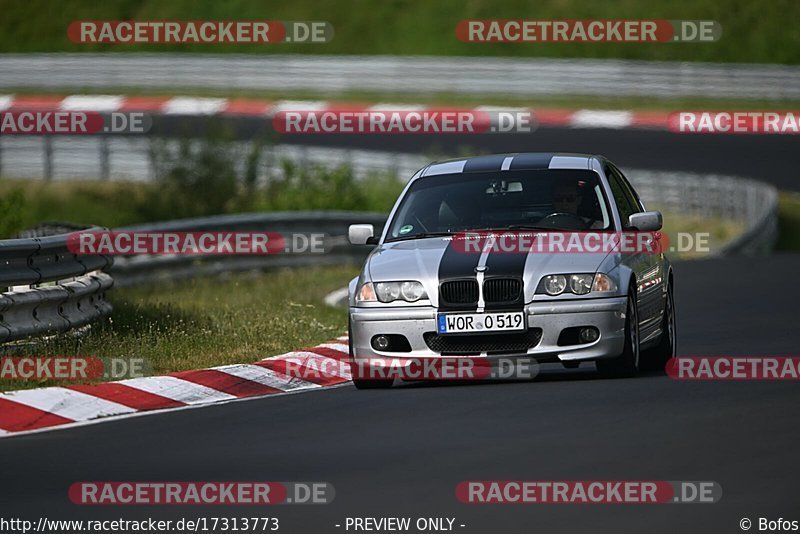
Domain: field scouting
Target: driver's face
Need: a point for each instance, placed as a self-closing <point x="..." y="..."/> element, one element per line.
<point x="566" y="199"/>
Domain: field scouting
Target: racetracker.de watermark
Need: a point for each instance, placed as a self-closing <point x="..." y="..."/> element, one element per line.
<point x="413" y="368"/>
<point x="588" y="31"/>
<point x="145" y="32"/>
<point x="388" y="121"/>
<point x="72" y="368"/>
<point x="734" y="368"/>
<point x="67" y="122"/>
<point x="735" y="122"/>
<point x="522" y="242"/>
<point x="588" y="492"/>
<point x="194" y="243"/>
<point x="200" y="492"/>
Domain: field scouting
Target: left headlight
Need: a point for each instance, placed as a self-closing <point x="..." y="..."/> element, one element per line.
<point x="577" y="284"/>
<point x="409" y="291"/>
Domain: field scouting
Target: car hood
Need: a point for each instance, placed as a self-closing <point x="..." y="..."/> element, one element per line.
<point x="436" y="259"/>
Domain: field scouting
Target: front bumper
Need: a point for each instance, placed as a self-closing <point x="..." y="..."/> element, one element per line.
<point x="606" y="314"/>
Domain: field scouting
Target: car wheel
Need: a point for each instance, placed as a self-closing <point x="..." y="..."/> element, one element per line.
<point x="361" y="383"/>
<point x="656" y="358"/>
<point x="626" y="364"/>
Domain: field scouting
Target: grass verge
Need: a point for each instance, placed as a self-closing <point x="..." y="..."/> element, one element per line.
<point x="206" y="322"/>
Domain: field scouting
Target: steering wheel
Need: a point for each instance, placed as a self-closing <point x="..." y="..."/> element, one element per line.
<point x="564" y="221"/>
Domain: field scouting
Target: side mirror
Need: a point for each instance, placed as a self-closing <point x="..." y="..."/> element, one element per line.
<point x="361" y="234"/>
<point x="648" y="221"/>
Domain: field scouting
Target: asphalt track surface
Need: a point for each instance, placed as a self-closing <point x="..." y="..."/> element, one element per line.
<point x="401" y="452"/>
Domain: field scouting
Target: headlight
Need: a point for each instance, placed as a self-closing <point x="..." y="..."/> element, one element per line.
<point x="580" y="284"/>
<point x="409" y="291"/>
<point x="555" y="284"/>
<point x="577" y="284"/>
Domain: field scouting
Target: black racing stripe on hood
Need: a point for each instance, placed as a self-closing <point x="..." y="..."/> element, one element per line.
<point x="457" y="264"/>
<point x="531" y="162"/>
<point x="505" y="264"/>
<point x="489" y="163"/>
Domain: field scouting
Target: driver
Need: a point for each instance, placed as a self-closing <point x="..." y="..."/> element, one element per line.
<point x="567" y="198"/>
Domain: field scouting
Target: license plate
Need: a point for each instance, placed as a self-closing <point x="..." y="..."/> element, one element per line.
<point x="459" y="323"/>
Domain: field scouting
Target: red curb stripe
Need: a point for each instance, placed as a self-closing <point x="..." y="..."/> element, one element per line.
<point x="329" y="353"/>
<point x="232" y="385"/>
<point x="36" y="102"/>
<point x="127" y="396"/>
<point x="243" y="106"/>
<point x="15" y="417"/>
<point x="144" y="103"/>
<point x="553" y="117"/>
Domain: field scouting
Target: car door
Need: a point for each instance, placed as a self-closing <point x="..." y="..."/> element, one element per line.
<point x="647" y="266"/>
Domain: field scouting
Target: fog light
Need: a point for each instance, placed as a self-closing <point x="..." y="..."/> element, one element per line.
<point x="589" y="334"/>
<point x="380" y="343"/>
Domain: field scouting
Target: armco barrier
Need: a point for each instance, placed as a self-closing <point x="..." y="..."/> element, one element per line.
<point x="49" y="289"/>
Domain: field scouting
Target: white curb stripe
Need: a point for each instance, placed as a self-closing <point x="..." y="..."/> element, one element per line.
<point x="177" y="389"/>
<point x="182" y="105"/>
<point x="68" y="403"/>
<point x="92" y="103"/>
<point x="587" y="118"/>
<point x="298" y="105"/>
<point x="266" y="377"/>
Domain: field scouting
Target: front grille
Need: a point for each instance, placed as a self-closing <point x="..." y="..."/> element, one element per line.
<point x="474" y="344"/>
<point x="502" y="290"/>
<point x="459" y="292"/>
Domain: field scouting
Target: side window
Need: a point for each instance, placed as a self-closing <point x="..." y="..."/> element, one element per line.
<point x="622" y="197"/>
<point x="629" y="188"/>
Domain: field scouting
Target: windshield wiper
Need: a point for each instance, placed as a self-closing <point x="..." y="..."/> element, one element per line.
<point x="419" y="236"/>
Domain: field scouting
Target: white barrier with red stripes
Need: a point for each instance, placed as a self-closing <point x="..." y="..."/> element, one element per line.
<point x="198" y="106"/>
<point x="54" y="407"/>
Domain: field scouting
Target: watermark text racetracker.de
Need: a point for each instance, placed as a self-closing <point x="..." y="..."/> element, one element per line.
<point x="734" y="368"/>
<point x="399" y="121"/>
<point x="72" y="122"/>
<point x="588" y="492"/>
<point x="588" y="31"/>
<point x="194" y="243"/>
<point x="72" y="368"/>
<point x="735" y="122"/>
<point x="145" y="32"/>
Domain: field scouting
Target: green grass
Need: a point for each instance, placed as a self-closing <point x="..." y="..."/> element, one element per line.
<point x="206" y="322"/>
<point x="762" y="32"/>
<point x="788" y="221"/>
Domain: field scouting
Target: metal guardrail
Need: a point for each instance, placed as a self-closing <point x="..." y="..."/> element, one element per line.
<point x="333" y="224"/>
<point x="49" y="289"/>
<point x="401" y="74"/>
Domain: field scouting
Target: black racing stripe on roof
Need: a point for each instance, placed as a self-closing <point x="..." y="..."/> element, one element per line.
<point x="485" y="163"/>
<point x="531" y="161"/>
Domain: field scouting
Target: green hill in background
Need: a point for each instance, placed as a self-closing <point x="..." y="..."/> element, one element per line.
<point x="760" y="32"/>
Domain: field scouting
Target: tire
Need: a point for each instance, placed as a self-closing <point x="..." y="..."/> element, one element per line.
<point x="656" y="358"/>
<point x="360" y="383"/>
<point x="625" y="365"/>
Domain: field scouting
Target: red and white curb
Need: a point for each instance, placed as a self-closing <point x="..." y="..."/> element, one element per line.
<point x="196" y="106"/>
<point x="55" y="407"/>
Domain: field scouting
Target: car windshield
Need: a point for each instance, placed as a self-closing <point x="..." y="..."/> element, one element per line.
<point x="552" y="199"/>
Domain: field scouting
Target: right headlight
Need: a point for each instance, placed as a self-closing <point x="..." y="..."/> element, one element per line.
<point x="409" y="291"/>
<point x="577" y="284"/>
